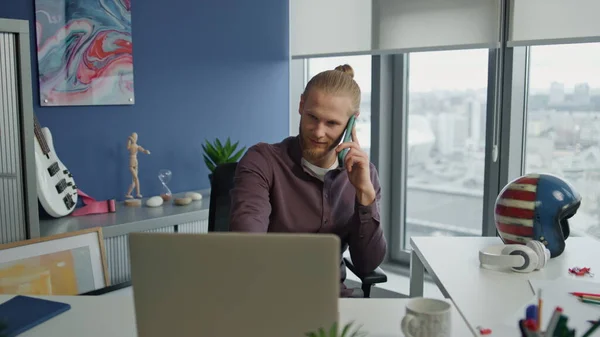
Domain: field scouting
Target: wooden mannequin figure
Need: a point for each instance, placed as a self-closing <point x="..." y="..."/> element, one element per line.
<point x="133" y="149"/>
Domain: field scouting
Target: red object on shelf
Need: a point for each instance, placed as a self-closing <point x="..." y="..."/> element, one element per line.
<point x="580" y="271"/>
<point x="484" y="331"/>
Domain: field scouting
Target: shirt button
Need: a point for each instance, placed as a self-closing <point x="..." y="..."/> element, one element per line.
<point x="325" y="195"/>
<point x="325" y="220"/>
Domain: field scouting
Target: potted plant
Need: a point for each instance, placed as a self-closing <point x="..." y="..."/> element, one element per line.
<point x="333" y="332"/>
<point x="3" y="327"/>
<point x="216" y="153"/>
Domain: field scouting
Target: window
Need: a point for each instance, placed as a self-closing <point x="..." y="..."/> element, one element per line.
<point x="447" y="97"/>
<point x="362" y="75"/>
<point x="563" y="124"/>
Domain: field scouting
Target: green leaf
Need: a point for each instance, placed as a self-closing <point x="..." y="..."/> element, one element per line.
<point x="215" y="153"/>
<point x="228" y="146"/>
<point x="358" y="333"/>
<point x="333" y="332"/>
<point x="3" y="327"/>
<point x="237" y="156"/>
<point x="219" y="145"/>
<point x="211" y="166"/>
<point x="346" y="329"/>
<point x="212" y="152"/>
<point x="223" y="157"/>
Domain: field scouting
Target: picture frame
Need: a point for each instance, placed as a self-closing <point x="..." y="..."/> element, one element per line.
<point x="63" y="264"/>
<point x="84" y="52"/>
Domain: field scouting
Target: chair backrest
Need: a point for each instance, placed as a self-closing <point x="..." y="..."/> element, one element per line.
<point x="220" y="199"/>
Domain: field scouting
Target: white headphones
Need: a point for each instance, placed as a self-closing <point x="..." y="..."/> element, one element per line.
<point x="520" y="258"/>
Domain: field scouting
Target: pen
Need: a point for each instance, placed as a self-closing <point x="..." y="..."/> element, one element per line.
<point x="585" y="300"/>
<point x="553" y="322"/>
<point x="561" y="327"/>
<point x="591" y="329"/>
<point x="530" y="328"/>
<point x="531" y="313"/>
<point x="585" y="294"/>
<point x="522" y="328"/>
<point x="595" y="298"/>
<point x="539" y="311"/>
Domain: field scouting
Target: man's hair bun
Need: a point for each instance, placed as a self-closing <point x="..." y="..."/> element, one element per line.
<point x="346" y="69"/>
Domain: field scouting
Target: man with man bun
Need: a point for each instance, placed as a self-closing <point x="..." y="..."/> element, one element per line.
<point x="298" y="186"/>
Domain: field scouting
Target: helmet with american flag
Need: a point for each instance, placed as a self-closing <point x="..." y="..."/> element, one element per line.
<point x="536" y="207"/>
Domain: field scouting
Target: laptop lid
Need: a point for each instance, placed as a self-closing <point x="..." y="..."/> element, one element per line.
<point x="234" y="284"/>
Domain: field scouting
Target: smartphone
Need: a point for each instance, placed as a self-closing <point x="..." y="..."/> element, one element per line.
<point x="346" y="138"/>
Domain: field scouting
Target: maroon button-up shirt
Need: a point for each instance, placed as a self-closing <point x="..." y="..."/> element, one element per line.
<point x="274" y="193"/>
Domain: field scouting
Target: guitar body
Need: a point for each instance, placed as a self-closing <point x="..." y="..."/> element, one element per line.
<point x="56" y="188"/>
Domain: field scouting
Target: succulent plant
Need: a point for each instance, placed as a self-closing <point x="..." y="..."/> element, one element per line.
<point x="216" y="153"/>
<point x="334" y="332"/>
<point x="3" y="327"/>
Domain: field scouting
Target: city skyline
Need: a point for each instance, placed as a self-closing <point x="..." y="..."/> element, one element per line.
<point x="446" y="136"/>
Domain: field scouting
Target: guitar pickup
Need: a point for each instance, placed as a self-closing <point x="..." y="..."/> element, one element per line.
<point x="60" y="187"/>
<point x="68" y="201"/>
<point x="53" y="169"/>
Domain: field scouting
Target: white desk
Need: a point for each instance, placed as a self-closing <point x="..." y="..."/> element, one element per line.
<point x="486" y="297"/>
<point x="113" y="315"/>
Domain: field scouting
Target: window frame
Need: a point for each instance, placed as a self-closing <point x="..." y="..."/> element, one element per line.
<point x="400" y="69"/>
<point x="505" y="127"/>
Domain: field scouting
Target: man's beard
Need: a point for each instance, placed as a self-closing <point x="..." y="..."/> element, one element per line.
<point x="310" y="151"/>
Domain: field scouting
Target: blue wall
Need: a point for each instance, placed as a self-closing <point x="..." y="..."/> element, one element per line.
<point x="202" y="69"/>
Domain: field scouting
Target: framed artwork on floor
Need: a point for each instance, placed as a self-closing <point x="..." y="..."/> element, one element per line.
<point x="65" y="264"/>
<point x="84" y="52"/>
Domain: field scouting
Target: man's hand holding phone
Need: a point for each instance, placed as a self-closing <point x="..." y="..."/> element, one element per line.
<point x="356" y="162"/>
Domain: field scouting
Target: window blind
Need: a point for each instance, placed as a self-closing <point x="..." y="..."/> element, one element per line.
<point x="553" y="21"/>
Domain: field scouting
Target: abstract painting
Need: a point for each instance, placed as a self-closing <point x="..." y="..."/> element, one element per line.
<point x="65" y="264"/>
<point x="84" y="52"/>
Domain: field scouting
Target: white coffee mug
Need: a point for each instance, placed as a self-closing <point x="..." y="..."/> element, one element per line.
<point x="427" y="317"/>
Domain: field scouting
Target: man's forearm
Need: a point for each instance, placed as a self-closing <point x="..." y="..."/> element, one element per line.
<point x="367" y="243"/>
<point x="250" y="205"/>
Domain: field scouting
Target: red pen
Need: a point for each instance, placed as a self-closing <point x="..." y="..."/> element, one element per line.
<point x="585" y="294"/>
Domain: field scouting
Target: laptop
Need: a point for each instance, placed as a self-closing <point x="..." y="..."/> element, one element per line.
<point x="226" y="284"/>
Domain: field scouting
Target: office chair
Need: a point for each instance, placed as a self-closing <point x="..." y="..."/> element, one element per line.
<point x="218" y="219"/>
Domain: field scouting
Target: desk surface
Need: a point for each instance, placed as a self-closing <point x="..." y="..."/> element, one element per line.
<point x="113" y="315"/>
<point x="487" y="297"/>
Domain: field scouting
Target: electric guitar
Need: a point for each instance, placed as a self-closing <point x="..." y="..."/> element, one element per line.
<point x="56" y="189"/>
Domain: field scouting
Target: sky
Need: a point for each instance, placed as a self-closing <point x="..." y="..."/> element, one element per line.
<point x="468" y="69"/>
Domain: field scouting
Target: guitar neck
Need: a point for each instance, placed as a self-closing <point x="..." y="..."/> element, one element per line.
<point x="37" y="129"/>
